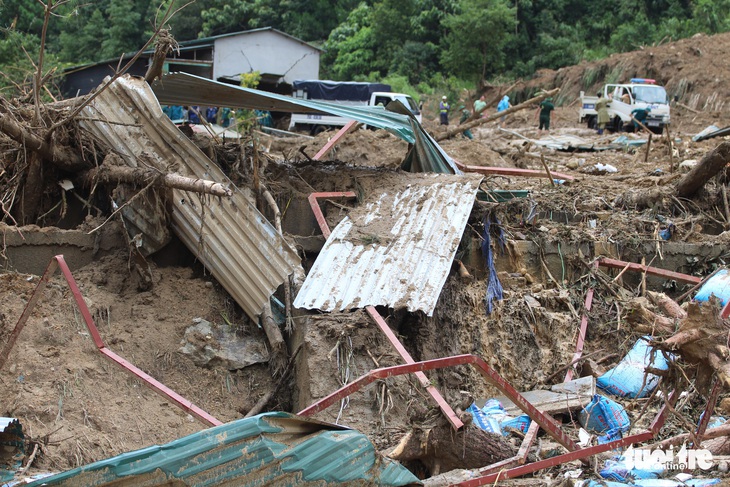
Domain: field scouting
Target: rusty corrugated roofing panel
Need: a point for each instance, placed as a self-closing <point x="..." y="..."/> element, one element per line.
<point x="273" y="449"/>
<point x="396" y="250"/>
<point x="242" y="250"/>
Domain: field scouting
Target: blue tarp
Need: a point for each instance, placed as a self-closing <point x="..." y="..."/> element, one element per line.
<point x="339" y="90"/>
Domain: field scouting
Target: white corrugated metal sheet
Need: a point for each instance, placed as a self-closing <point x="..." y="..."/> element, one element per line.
<point x="242" y="250"/>
<point x="397" y="251"/>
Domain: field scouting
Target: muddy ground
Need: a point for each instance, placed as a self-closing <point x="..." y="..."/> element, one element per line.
<point x="82" y="408"/>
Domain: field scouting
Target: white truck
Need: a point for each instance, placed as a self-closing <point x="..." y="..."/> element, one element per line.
<point x="638" y="93"/>
<point x="344" y="93"/>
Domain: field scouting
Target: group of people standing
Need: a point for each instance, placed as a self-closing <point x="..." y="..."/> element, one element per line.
<point x="544" y="112"/>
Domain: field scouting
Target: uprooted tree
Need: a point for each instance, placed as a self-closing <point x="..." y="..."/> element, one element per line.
<point x="41" y="143"/>
<point x="711" y="164"/>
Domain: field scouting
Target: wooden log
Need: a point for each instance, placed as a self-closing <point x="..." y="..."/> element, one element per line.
<point x="667" y="305"/>
<point x="720" y="431"/>
<point x="711" y="163"/>
<point x="645" y="320"/>
<point x="62" y="156"/>
<point x="466" y="126"/>
<point x="441" y="449"/>
<point x="108" y="173"/>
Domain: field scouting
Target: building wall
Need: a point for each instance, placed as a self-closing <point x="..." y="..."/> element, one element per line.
<point x="266" y="52"/>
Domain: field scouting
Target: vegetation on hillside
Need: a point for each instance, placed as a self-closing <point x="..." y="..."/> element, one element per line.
<point x="426" y="42"/>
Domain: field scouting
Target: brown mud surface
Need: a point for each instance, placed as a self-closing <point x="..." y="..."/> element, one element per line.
<point x="83" y="408"/>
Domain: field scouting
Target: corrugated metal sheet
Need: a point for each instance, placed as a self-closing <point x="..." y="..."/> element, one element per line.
<point x="272" y="449"/>
<point x="188" y="89"/>
<point x="242" y="250"/>
<point x="397" y="252"/>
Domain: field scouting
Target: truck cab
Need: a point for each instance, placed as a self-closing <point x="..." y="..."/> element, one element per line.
<point x="383" y="98"/>
<point x="639" y="93"/>
<point x="348" y="93"/>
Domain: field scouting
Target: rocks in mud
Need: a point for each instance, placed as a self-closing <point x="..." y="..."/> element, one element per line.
<point x="212" y="345"/>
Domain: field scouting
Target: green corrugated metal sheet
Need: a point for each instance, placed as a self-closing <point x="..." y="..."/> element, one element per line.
<point x="188" y="89"/>
<point x="272" y="449"/>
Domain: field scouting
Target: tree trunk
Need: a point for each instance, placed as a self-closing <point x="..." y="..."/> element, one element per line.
<point x="110" y="173"/>
<point x="440" y="449"/>
<point x="63" y="157"/>
<point x="712" y="163"/>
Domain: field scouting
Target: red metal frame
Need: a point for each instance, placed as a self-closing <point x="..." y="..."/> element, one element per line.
<point x="544" y="421"/>
<point x="408" y="359"/>
<point x="581" y="334"/>
<point x="709" y="408"/>
<point x="59" y="262"/>
<point x="512" y="171"/>
<point x="331" y="143"/>
<point x="654" y="271"/>
<point x="490" y="375"/>
<point x="321" y="221"/>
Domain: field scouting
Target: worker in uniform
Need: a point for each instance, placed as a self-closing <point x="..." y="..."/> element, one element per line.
<point x="444" y="108"/>
<point x="602" y="109"/>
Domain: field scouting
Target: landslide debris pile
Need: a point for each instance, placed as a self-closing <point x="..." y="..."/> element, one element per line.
<point x="79" y="408"/>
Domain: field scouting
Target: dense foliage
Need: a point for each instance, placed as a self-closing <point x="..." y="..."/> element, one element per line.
<point x="421" y="41"/>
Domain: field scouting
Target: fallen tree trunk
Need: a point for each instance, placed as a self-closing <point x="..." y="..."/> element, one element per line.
<point x="124" y="174"/>
<point x="711" y="163"/>
<point x="529" y="103"/>
<point x="720" y="431"/>
<point x="440" y="449"/>
<point x="62" y="156"/>
<point x="667" y="305"/>
<point x="646" y="321"/>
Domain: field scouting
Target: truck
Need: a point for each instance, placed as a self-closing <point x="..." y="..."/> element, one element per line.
<point x="349" y="93"/>
<point x="638" y="93"/>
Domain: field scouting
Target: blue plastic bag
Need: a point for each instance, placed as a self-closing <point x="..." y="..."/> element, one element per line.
<point x="603" y="415"/>
<point x="627" y="378"/>
<point x="494" y="419"/>
<point x="719" y="285"/>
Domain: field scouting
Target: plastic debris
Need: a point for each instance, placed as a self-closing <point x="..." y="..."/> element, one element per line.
<point x="628" y="378"/>
<point x="494" y="287"/>
<point x="719" y="285"/>
<point x="605" y="417"/>
<point x="494" y="419"/>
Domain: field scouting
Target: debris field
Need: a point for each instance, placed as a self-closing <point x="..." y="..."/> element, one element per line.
<point x="531" y="275"/>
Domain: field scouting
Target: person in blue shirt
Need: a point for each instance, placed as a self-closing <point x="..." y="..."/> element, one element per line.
<point x="503" y="105"/>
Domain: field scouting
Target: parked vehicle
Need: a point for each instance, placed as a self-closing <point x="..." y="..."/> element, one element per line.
<point x="344" y="93"/>
<point x="639" y="93"/>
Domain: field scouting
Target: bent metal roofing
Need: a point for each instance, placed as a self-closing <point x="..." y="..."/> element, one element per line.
<point x="188" y="89"/>
<point x="396" y="250"/>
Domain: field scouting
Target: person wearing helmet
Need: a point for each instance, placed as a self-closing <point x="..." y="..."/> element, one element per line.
<point x="444" y="108"/>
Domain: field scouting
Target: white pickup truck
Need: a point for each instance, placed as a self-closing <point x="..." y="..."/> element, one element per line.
<point x="639" y="93"/>
<point x="343" y="93"/>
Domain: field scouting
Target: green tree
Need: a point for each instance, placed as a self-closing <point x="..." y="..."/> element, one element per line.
<point x="350" y="48"/>
<point x="711" y="16"/>
<point x="476" y="37"/>
<point x="81" y="45"/>
<point x="124" y="32"/>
